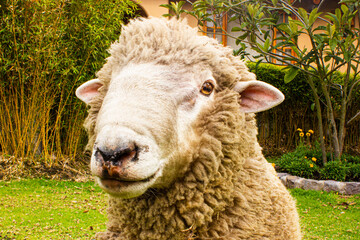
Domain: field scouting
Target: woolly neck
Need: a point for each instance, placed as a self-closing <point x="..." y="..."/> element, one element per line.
<point x="189" y="206"/>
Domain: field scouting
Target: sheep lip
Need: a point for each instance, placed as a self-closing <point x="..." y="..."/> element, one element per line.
<point x="116" y="183"/>
<point x="126" y="180"/>
<point x="113" y="183"/>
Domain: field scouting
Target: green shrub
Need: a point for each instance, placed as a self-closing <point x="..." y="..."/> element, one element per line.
<point x="333" y="170"/>
<point x="353" y="172"/>
<point x="306" y="162"/>
<point x="297" y="163"/>
<point x="350" y="159"/>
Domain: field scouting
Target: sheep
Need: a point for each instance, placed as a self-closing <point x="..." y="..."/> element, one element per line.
<point x="172" y="132"/>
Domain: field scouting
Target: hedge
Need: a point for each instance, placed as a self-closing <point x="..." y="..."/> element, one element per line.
<point x="277" y="126"/>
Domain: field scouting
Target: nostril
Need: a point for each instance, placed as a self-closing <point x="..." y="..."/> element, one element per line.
<point x="117" y="156"/>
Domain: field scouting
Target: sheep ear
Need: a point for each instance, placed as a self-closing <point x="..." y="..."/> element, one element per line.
<point x="257" y="96"/>
<point x="87" y="91"/>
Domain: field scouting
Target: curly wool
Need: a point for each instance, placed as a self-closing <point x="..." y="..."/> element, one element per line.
<point x="228" y="190"/>
<point x="165" y="42"/>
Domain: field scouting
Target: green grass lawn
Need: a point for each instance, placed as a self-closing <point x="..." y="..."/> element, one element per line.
<point x="48" y="209"/>
<point x="328" y="215"/>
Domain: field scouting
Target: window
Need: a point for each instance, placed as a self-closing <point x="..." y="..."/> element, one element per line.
<point x="216" y="32"/>
<point x="284" y="50"/>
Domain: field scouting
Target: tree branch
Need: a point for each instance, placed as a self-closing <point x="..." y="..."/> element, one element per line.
<point x="355" y="118"/>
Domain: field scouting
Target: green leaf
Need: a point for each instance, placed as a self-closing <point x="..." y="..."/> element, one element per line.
<point x="338" y="59"/>
<point x="280" y="44"/>
<point x="332" y="44"/>
<point x="244" y="25"/>
<point x="166" y="6"/>
<point x="347" y="56"/>
<point x="293" y="26"/>
<point x="338" y="14"/>
<point x="233" y="18"/>
<point x="312" y="106"/>
<point x="320" y="46"/>
<point x="236" y="29"/>
<point x="299" y="23"/>
<point x="296" y="50"/>
<point x="320" y="28"/>
<point x="327" y="58"/>
<point x="284" y="27"/>
<point x="181" y="3"/>
<point x="241" y="37"/>
<point x="318" y="38"/>
<point x="333" y="18"/>
<point x="314" y="15"/>
<point x="267" y="34"/>
<point x="258" y="63"/>
<point x="344" y="9"/>
<point x="250" y="9"/>
<point x="354" y="68"/>
<point x="267" y="45"/>
<point x="332" y="30"/>
<point x="304" y="16"/>
<point x="290" y="74"/>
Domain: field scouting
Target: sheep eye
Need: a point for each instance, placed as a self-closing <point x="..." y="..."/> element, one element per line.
<point x="207" y="88"/>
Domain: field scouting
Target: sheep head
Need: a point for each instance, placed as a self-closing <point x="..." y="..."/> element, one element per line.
<point x="146" y="121"/>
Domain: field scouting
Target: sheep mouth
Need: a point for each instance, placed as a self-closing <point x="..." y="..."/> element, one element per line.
<point x="119" y="183"/>
<point x="113" y="182"/>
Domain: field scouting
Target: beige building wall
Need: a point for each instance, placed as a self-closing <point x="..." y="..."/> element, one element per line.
<point x="152" y="9"/>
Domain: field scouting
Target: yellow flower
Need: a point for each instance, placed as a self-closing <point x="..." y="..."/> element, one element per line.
<point x="301" y="134"/>
<point x="305" y="157"/>
<point x="311" y="131"/>
<point x="308" y="134"/>
<point x="273" y="164"/>
<point x="314" y="159"/>
<point x="299" y="129"/>
<point x="311" y="165"/>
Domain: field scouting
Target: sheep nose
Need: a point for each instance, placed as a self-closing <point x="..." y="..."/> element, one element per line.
<point x="118" y="156"/>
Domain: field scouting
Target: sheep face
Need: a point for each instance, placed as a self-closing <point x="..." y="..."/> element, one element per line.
<point x="146" y="119"/>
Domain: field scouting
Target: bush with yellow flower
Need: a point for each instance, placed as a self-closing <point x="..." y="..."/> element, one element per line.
<point x="304" y="162"/>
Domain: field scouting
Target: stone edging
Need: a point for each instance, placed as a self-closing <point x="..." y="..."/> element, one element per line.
<point x="348" y="188"/>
